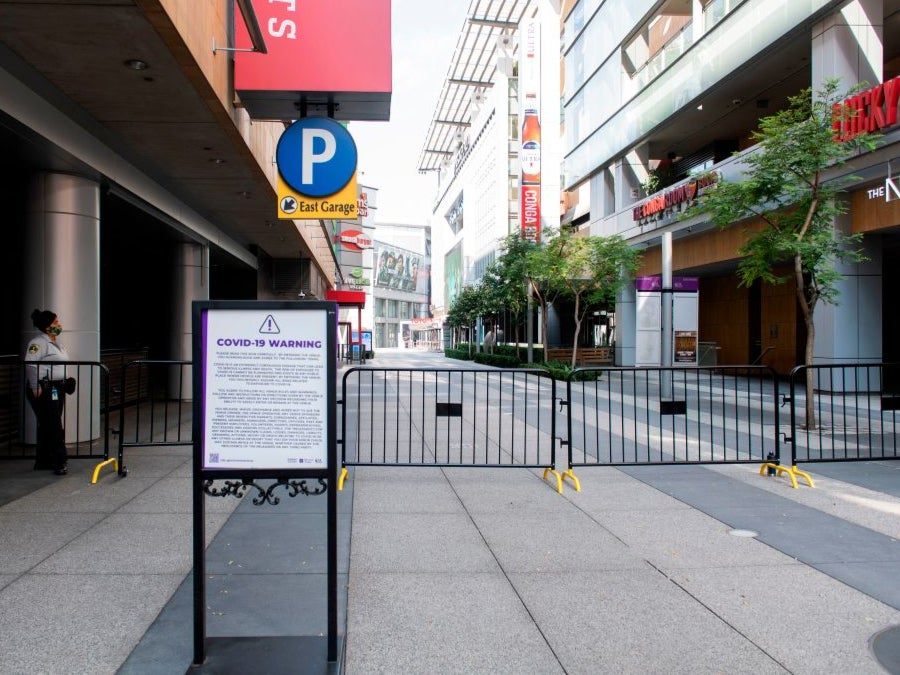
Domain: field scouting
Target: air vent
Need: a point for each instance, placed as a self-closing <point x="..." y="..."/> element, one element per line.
<point x="290" y="275"/>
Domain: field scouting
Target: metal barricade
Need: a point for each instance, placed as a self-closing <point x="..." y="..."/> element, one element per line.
<point x="159" y="412"/>
<point x="683" y="415"/>
<point x="448" y="418"/>
<point x="844" y="412"/>
<point x="85" y="415"/>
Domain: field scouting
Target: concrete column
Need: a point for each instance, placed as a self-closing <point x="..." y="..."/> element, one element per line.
<point x="851" y="330"/>
<point x="630" y="172"/>
<point x="626" y="326"/>
<point x="62" y="274"/>
<point x="697" y="26"/>
<point x="849" y="44"/>
<point x="191" y="282"/>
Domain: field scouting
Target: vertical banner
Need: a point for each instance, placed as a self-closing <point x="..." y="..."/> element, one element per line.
<point x="530" y="150"/>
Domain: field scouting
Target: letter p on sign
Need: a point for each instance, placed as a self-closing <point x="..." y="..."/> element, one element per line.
<point x="309" y="155"/>
<point x="316" y="156"/>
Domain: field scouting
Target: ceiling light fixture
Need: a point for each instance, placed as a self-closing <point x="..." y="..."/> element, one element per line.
<point x="137" y="64"/>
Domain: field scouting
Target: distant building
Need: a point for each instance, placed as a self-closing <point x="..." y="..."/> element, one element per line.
<point x="401" y="283"/>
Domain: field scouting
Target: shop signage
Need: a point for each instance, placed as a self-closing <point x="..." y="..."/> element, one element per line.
<point x="337" y="51"/>
<point x="674" y="200"/>
<point x="354" y="240"/>
<point x="362" y="205"/>
<point x="683" y="284"/>
<point x="868" y="111"/>
<point x="357" y="278"/>
<point x="891" y="188"/>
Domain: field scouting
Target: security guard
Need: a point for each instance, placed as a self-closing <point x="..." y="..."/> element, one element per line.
<point x="46" y="390"/>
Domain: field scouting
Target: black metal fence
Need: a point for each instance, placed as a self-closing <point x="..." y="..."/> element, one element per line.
<point x="844" y="412"/>
<point x="685" y="415"/>
<point x="515" y="417"/>
<point x="448" y="417"/>
<point x="161" y="410"/>
<point x="85" y="415"/>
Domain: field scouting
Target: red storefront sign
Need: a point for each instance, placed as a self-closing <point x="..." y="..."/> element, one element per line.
<point x="676" y="196"/>
<point x="354" y="240"/>
<point x="868" y="111"/>
<point x="317" y="50"/>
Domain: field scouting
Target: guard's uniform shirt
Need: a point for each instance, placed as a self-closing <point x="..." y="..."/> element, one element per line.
<point x="42" y="349"/>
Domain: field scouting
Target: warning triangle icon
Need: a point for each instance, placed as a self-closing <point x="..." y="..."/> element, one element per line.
<point x="269" y="326"/>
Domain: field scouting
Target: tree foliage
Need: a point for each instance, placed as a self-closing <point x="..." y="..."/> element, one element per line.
<point x="788" y="186"/>
<point x="588" y="270"/>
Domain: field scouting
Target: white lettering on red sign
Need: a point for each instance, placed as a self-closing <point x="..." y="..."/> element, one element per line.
<point x="283" y="27"/>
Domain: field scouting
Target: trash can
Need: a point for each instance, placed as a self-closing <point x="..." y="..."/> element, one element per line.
<point x="707" y="354"/>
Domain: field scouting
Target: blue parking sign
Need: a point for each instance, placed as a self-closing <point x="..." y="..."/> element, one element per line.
<point x="316" y="156"/>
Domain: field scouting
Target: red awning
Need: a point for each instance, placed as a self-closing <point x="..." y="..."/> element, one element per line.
<point x="347" y="298"/>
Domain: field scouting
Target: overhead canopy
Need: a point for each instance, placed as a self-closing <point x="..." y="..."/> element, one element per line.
<point x="347" y="298"/>
<point x="488" y="31"/>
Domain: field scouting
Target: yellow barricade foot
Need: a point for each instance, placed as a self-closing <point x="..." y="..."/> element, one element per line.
<point x="113" y="461"/>
<point x="570" y="475"/>
<point x="791" y="471"/>
<point x="559" y="485"/>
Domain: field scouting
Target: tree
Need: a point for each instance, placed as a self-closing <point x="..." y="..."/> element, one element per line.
<point x="543" y="266"/>
<point x="466" y="308"/>
<point x="589" y="270"/>
<point x="786" y="187"/>
<point x="510" y="274"/>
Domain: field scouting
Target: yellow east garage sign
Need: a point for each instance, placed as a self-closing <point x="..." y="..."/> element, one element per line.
<point x="294" y="206"/>
<point x="316" y="159"/>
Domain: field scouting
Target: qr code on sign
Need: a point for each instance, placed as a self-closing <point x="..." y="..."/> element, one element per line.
<point x="214" y="458"/>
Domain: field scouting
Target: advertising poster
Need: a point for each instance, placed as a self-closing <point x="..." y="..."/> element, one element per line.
<point x="453" y="274"/>
<point x="265" y="389"/>
<point x="530" y="150"/>
<point x="398" y="268"/>
<point x="685" y="346"/>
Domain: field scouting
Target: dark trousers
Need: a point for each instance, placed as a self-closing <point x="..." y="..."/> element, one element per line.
<point x="51" y="438"/>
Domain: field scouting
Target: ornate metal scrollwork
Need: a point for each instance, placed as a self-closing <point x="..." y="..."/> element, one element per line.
<point x="264" y="494"/>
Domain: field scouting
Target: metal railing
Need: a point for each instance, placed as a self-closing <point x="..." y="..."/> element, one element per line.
<point x="448" y="418"/>
<point x="162" y="413"/>
<point x="85" y="414"/>
<point x="684" y="415"/>
<point x="509" y="417"/>
<point x="852" y="413"/>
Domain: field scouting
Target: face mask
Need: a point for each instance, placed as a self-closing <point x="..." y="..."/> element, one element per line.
<point x="54" y="330"/>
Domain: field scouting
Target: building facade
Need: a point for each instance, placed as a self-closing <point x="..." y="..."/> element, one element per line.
<point x="139" y="173"/>
<point x="659" y="94"/>
<point x="401" y="284"/>
<point x="506" y="63"/>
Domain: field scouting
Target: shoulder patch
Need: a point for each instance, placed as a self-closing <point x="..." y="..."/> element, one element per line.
<point x="33" y="349"/>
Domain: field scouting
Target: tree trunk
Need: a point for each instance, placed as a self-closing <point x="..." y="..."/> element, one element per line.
<point x="807" y="306"/>
<point x="810" y="389"/>
<point x="577" y="331"/>
<point x="544" y="326"/>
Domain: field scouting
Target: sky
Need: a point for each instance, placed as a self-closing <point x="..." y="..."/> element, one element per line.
<point x="424" y="34"/>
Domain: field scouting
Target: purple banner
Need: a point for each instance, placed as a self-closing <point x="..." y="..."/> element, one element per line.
<point x="686" y="284"/>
